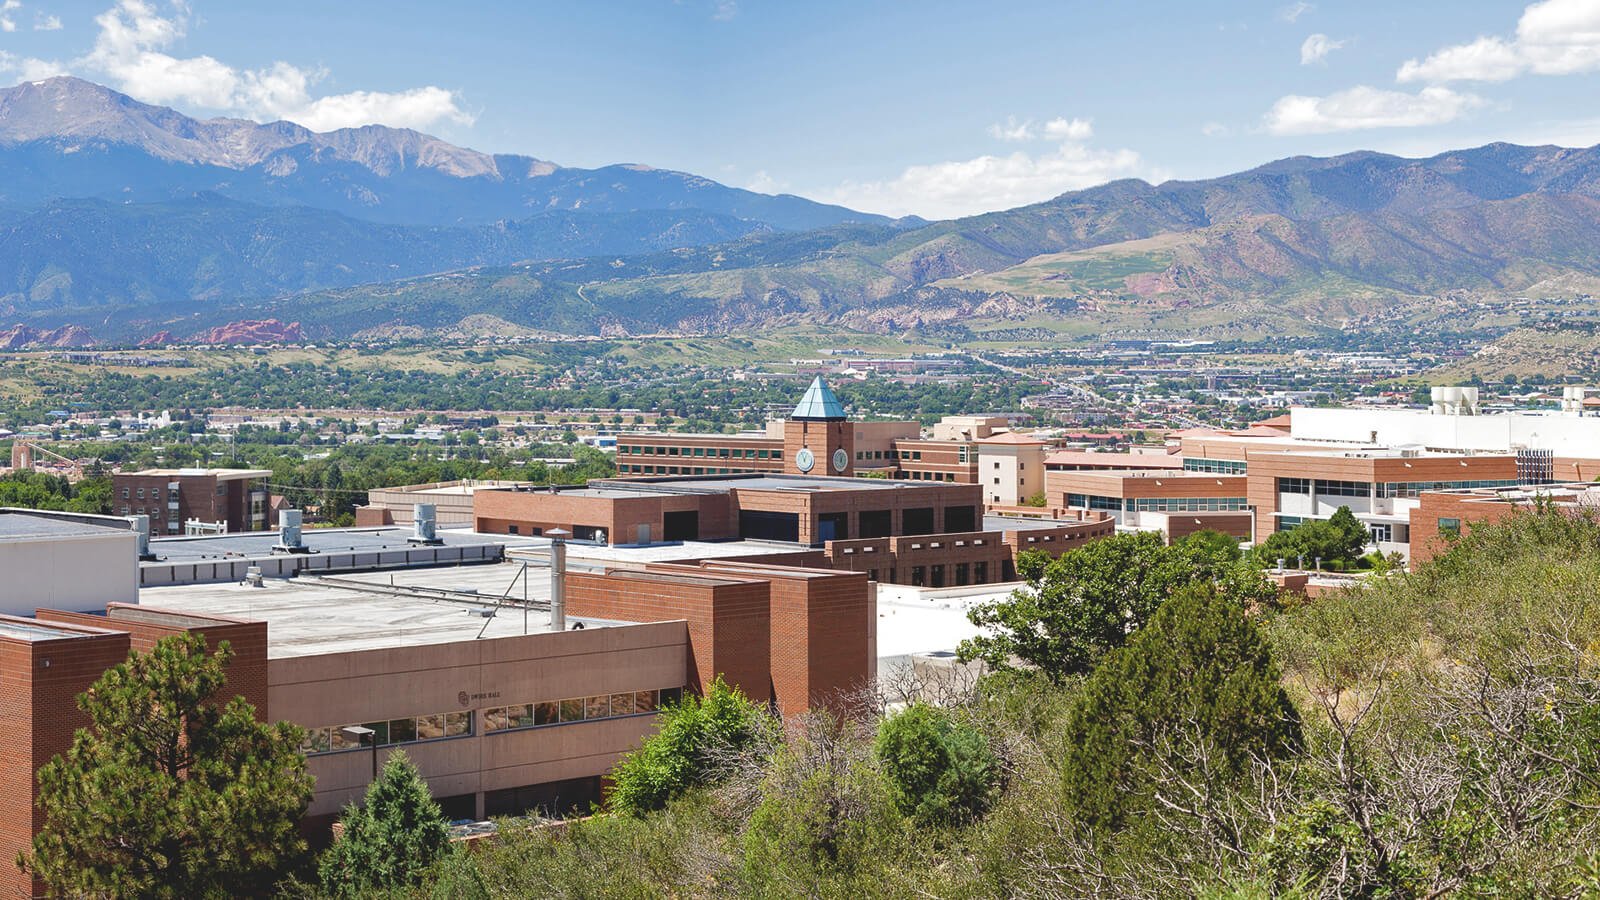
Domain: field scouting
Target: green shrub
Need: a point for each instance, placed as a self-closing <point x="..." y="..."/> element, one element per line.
<point x="942" y="771"/>
<point x="685" y="750"/>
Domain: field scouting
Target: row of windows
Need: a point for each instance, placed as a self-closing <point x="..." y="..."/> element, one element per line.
<point x="155" y="494"/>
<point x="332" y="739"/>
<point x="155" y="512"/>
<point x="716" y="452"/>
<point x="888" y="454"/>
<point x="1223" y="466"/>
<point x="635" y="469"/>
<point x="931" y="476"/>
<point x="578" y="709"/>
<point x="1190" y="504"/>
<point x="1094" y="501"/>
<point x="1285" y="523"/>
<point x="1324" y="488"/>
<point x="1413" y="488"/>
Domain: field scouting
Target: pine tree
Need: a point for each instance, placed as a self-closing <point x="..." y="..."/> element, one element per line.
<point x="389" y="840"/>
<point x="1198" y="680"/>
<point x="165" y="794"/>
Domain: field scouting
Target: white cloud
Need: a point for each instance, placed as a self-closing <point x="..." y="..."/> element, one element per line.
<point x="1057" y="129"/>
<point x="1068" y="129"/>
<point x="1294" y="11"/>
<point x="1215" y="129"/>
<point x="8" y="22"/>
<point x="1316" y="48"/>
<point x="763" y="183"/>
<point x="1555" y="37"/>
<point x="1367" y="107"/>
<point x="27" y="68"/>
<point x="1013" y="130"/>
<point x="47" y="23"/>
<point x="725" y="10"/>
<point x="129" y="51"/>
<point x="986" y="183"/>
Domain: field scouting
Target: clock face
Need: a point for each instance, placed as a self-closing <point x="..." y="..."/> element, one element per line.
<point x="804" y="460"/>
<point x="841" y="460"/>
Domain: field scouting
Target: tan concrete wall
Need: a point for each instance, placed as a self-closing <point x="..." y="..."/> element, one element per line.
<point x="350" y="688"/>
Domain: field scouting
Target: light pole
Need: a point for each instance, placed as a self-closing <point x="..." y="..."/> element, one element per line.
<point x="366" y="737"/>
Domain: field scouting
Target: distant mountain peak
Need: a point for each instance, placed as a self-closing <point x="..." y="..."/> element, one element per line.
<point x="65" y="108"/>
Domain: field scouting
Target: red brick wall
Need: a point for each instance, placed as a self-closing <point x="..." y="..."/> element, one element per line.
<point x="39" y="685"/>
<point x="820" y="645"/>
<point x="729" y="619"/>
<point x="823" y="438"/>
<point x="1431" y="507"/>
<point x="247" y="672"/>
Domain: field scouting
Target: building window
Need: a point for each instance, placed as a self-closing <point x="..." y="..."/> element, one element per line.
<point x="1343" y="488"/>
<point x="125" y="493"/>
<point x="1451" y="527"/>
<point x="1094" y="501"/>
<point x="1223" y="466"/>
<point x="140" y="493"/>
<point x="331" y="739"/>
<point x="1294" y="485"/>
<point x="577" y="709"/>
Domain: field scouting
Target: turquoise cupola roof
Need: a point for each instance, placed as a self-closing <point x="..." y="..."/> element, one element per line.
<point x="819" y="404"/>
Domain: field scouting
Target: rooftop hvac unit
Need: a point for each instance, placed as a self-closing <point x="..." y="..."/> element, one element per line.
<point x="289" y="533"/>
<point x="424" y="524"/>
<point x="141" y="528"/>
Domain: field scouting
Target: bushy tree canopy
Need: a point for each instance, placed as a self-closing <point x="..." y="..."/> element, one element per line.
<point x="1338" y="541"/>
<point x="1089" y="600"/>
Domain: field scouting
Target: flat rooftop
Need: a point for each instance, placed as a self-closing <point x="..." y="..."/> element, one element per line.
<point x="31" y="631"/>
<point x="251" y="544"/>
<point x="724" y="483"/>
<point x="32" y="525"/>
<point x="221" y="474"/>
<point x="1019" y="523"/>
<point x="311" y="615"/>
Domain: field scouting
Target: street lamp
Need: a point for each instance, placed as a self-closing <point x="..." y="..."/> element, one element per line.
<point x="366" y="737"/>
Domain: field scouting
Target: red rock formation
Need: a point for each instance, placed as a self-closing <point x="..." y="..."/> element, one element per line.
<point x="252" y="331"/>
<point x="20" y="336"/>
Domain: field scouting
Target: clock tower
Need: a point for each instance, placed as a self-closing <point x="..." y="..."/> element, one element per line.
<point x="817" y="438"/>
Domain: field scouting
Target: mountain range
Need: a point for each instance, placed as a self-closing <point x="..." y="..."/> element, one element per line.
<point x="127" y="220"/>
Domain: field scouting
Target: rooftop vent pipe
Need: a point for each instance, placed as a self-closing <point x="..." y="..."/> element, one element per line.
<point x="558" y="579"/>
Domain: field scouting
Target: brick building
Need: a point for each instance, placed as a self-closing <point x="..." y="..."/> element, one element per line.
<point x="236" y="498"/>
<point x="808" y="510"/>
<point x="503" y="706"/>
<point x="833" y="445"/>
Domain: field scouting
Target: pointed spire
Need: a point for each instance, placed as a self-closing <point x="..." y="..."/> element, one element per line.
<point x="819" y="404"/>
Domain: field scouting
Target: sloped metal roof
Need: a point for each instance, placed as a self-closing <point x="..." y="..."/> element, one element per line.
<point x="819" y="402"/>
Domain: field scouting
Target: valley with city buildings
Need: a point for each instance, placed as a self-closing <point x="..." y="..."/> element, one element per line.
<point x="387" y="512"/>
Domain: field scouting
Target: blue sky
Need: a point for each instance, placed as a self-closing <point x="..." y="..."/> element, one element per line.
<point x="931" y="107"/>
